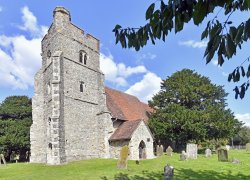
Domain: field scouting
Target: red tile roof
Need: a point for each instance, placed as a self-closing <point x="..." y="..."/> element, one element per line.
<point x="126" y="107"/>
<point x="125" y="130"/>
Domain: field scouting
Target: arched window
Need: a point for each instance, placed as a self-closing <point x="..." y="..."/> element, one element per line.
<point x="49" y="88"/>
<point x="81" y="86"/>
<point x="80" y="57"/>
<point x="49" y="54"/>
<point x="85" y="58"/>
<point x="50" y="145"/>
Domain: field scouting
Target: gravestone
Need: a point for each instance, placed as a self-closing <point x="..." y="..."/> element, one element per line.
<point x="123" y="161"/>
<point x="191" y="151"/>
<point x="12" y="156"/>
<point x="183" y="156"/>
<point x="2" y="159"/>
<point x="248" y="146"/>
<point x="168" y="172"/>
<point x="159" y="150"/>
<point x="227" y="147"/>
<point x="236" y="161"/>
<point x="169" y="151"/>
<point x="222" y="155"/>
<point x="208" y="153"/>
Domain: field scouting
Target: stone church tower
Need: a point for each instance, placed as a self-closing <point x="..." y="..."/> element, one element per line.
<point x="70" y="116"/>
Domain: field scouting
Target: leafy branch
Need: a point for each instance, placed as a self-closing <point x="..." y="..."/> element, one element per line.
<point x="223" y="37"/>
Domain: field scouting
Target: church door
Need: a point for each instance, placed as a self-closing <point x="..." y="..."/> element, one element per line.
<point x="142" y="150"/>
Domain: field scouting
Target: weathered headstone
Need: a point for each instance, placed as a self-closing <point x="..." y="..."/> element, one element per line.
<point x="27" y="156"/>
<point x="123" y="161"/>
<point x="236" y="161"/>
<point x="12" y="156"/>
<point x="169" y="151"/>
<point x="248" y="146"/>
<point x="168" y="172"/>
<point x="191" y="151"/>
<point x="17" y="158"/>
<point x="159" y="150"/>
<point x="208" y="153"/>
<point x="222" y="155"/>
<point x="2" y="159"/>
<point x="183" y="156"/>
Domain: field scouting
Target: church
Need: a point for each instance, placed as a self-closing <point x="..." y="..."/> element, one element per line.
<point x="75" y="116"/>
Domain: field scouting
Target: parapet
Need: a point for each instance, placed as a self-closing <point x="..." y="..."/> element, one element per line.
<point x="61" y="12"/>
<point x="94" y="42"/>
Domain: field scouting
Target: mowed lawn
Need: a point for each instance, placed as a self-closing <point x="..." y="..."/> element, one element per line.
<point x="202" y="168"/>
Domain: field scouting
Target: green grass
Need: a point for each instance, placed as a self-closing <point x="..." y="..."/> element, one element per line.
<point x="202" y="168"/>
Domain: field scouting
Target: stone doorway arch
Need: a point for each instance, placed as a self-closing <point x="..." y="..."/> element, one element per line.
<point x="142" y="150"/>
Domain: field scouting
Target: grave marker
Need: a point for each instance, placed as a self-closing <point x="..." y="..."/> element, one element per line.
<point x="169" y="151"/>
<point x="208" y="153"/>
<point x="222" y="155"/>
<point x="248" y="146"/>
<point x="123" y="161"/>
<point x="191" y="151"/>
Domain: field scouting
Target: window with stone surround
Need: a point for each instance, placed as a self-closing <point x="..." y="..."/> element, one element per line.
<point x="81" y="86"/>
<point x="48" y="88"/>
<point x="83" y="57"/>
<point x="48" y="53"/>
<point x="50" y="145"/>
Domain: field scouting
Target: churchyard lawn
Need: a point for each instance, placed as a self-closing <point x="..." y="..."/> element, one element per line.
<point x="199" y="169"/>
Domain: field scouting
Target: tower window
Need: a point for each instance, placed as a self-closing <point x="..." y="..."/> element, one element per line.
<point x="50" y="145"/>
<point x="83" y="57"/>
<point x="81" y="86"/>
<point x="49" y="54"/>
<point x="49" y="88"/>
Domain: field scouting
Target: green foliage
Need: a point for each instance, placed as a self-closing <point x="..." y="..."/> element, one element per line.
<point x="223" y="36"/>
<point x="15" y="122"/>
<point x="15" y="107"/>
<point x="242" y="137"/>
<point x="190" y="108"/>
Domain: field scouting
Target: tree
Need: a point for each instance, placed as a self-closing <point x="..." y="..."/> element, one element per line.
<point x="223" y="36"/>
<point x="242" y="137"/>
<point x="15" y="122"/>
<point x="190" y="108"/>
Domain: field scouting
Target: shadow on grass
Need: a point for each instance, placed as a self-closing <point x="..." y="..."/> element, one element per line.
<point x="182" y="174"/>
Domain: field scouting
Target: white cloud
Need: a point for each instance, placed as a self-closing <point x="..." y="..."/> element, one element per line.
<point x="117" y="73"/>
<point x="193" y="44"/>
<point x="147" y="56"/>
<point x="146" y="88"/>
<point x="224" y="74"/>
<point x="30" y="23"/>
<point x="20" y="57"/>
<point x="244" y="118"/>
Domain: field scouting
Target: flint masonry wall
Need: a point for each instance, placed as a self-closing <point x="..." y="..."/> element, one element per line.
<point x="142" y="133"/>
<point x="73" y="125"/>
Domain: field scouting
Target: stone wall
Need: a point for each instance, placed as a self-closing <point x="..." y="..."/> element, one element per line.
<point x="38" y="128"/>
<point x="142" y="133"/>
<point x="115" y="148"/>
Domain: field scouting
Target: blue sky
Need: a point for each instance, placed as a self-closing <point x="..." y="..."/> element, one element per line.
<point x="23" y="23"/>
